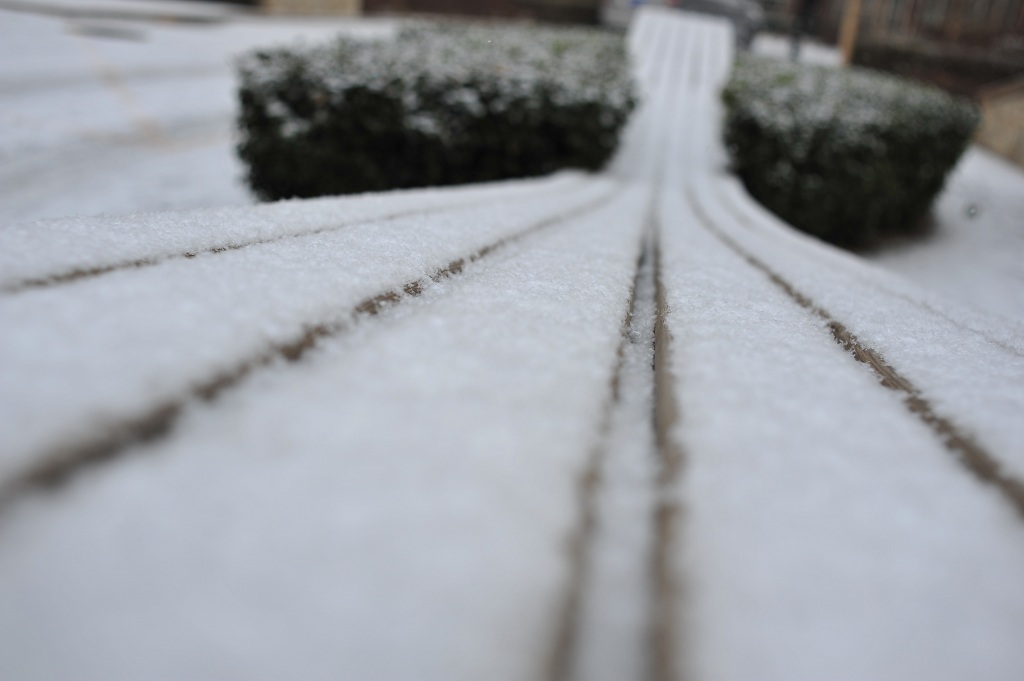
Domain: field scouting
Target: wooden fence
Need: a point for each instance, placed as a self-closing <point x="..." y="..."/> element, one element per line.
<point x="974" y="21"/>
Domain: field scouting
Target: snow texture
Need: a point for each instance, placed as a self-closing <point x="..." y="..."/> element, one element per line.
<point x="109" y="116"/>
<point x="613" y="633"/>
<point x="973" y="253"/>
<point x="37" y="251"/>
<point x="828" y="533"/>
<point x="965" y="371"/>
<point x="401" y="501"/>
<point x="393" y="508"/>
<point x="178" y="322"/>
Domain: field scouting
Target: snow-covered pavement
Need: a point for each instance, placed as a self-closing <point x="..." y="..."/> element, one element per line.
<point x="598" y="427"/>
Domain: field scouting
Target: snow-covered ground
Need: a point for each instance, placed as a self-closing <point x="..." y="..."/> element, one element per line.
<point x="811" y="51"/>
<point x="600" y="427"/>
<point x="976" y="252"/>
<point x="108" y="116"/>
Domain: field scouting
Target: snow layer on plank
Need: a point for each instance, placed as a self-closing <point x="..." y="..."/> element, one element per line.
<point x="42" y="249"/>
<point x="970" y="379"/>
<point x="395" y="507"/>
<point x="689" y="61"/>
<point x="634" y="150"/>
<point x="613" y="641"/>
<point x="827" y="533"/>
<point x="119" y="345"/>
<point x="673" y="136"/>
<point x="1001" y="330"/>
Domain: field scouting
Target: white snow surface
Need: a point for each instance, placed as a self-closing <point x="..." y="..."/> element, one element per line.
<point x="811" y="51"/>
<point x="186" y="319"/>
<point x="111" y="116"/>
<point x="974" y="375"/>
<point x="439" y="447"/>
<point x="161" y="10"/>
<point x="613" y="632"/>
<point x="31" y="252"/>
<point x="973" y="254"/>
<point x="824" y="508"/>
<point x="824" y="532"/>
<point x="405" y="500"/>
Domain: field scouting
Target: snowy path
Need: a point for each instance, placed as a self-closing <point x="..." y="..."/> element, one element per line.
<point x="582" y="427"/>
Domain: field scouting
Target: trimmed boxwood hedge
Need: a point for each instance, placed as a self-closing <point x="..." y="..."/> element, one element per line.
<point x="439" y="104"/>
<point x="851" y="156"/>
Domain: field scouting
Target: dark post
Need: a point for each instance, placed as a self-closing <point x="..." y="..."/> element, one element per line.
<point x="803" y="15"/>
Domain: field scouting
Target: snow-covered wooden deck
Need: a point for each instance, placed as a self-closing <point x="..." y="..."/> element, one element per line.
<point x="616" y="427"/>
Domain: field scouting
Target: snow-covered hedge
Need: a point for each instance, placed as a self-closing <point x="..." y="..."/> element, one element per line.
<point x="851" y="156"/>
<point x="440" y="104"/>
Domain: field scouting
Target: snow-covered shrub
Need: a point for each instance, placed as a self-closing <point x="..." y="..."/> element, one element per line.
<point x="851" y="156"/>
<point x="439" y="104"/>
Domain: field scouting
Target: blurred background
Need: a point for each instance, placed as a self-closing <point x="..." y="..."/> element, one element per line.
<point x="120" y="106"/>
